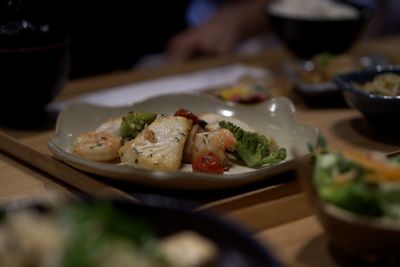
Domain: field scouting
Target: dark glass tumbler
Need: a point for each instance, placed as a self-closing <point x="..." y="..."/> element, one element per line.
<point x="34" y="66"/>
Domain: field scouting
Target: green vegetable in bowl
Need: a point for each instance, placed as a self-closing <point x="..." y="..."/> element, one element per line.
<point x="331" y="174"/>
<point x="365" y="184"/>
<point x="134" y="122"/>
<point x="254" y="148"/>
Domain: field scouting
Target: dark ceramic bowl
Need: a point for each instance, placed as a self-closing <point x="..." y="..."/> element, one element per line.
<point x="308" y="37"/>
<point x="30" y="77"/>
<point x="166" y="216"/>
<point x="380" y="110"/>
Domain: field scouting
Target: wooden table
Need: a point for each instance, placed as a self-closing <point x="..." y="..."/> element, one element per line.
<point x="278" y="214"/>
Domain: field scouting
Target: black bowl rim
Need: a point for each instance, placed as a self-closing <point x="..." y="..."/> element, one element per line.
<point x="61" y="42"/>
<point x="344" y="83"/>
<point x="381" y="223"/>
<point x="364" y="14"/>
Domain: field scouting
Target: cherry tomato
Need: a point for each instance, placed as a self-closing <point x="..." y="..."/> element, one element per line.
<point x="208" y="163"/>
<point x="189" y="115"/>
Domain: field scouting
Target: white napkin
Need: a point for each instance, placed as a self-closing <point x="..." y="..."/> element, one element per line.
<point x="183" y="83"/>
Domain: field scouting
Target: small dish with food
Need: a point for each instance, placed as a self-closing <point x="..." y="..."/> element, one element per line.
<point x="182" y="140"/>
<point x="246" y="90"/>
<point x="356" y="199"/>
<point x="314" y="79"/>
<point x="375" y="93"/>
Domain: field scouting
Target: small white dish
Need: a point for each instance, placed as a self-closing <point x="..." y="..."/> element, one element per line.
<point x="274" y="118"/>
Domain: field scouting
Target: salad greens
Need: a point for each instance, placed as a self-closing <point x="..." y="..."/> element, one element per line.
<point x="255" y="149"/>
<point x="363" y="184"/>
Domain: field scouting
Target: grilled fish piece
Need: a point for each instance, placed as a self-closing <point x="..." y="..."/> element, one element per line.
<point x="159" y="146"/>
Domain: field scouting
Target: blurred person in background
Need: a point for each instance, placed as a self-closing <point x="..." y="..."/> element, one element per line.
<point x="386" y="20"/>
<point x="220" y="26"/>
<point x="217" y="27"/>
<point x="107" y="37"/>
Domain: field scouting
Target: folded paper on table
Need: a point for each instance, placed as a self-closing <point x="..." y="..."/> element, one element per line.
<point x="183" y="83"/>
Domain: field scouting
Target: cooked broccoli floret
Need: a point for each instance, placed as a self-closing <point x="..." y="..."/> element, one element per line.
<point x="134" y="122"/>
<point x="253" y="148"/>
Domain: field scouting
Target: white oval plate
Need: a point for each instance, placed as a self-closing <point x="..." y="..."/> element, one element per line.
<point x="274" y="118"/>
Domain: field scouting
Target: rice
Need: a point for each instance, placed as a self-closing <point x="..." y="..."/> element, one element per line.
<point x="313" y="9"/>
<point x="387" y="84"/>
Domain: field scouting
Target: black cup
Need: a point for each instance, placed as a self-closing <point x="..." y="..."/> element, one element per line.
<point x="33" y="70"/>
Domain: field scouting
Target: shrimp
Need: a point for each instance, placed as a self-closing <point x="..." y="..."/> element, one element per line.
<point x="112" y="125"/>
<point x="190" y="144"/>
<point x="97" y="146"/>
<point x="217" y="142"/>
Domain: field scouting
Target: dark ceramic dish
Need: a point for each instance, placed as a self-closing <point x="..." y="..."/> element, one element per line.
<point x="307" y="37"/>
<point x="166" y="216"/>
<point x="380" y="110"/>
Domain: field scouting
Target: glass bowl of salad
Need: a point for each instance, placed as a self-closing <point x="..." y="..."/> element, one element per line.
<point x="356" y="197"/>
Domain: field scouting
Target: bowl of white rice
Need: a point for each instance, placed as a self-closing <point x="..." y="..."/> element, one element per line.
<point x="310" y="27"/>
